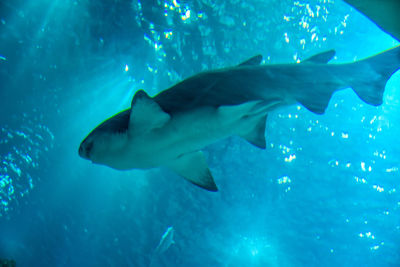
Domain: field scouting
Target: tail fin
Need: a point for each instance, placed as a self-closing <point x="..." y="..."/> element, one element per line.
<point x="373" y="74"/>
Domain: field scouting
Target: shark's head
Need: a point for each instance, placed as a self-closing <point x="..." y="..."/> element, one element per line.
<point x="103" y="147"/>
<point x="86" y="147"/>
<point x="95" y="147"/>
<point x="106" y="142"/>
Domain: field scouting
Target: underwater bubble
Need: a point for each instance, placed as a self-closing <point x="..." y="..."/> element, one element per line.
<point x="24" y="148"/>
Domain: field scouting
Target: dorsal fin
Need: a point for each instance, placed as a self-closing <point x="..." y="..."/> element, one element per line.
<point x="256" y="60"/>
<point x="321" y="58"/>
<point x="145" y="114"/>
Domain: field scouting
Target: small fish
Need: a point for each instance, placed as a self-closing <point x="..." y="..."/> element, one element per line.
<point x="166" y="241"/>
<point x="3" y="58"/>
<point x="384" y="13"/>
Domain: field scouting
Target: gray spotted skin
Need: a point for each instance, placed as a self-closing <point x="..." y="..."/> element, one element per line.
<point x="170" y="129"/>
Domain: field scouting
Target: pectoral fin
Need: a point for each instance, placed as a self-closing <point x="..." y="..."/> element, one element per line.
<point x="193" y="167"/>
<point x="146" y="114"/>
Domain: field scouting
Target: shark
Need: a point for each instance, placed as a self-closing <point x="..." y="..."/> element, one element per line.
<point x="171" y="128"/>
<point x="384" y="13"/>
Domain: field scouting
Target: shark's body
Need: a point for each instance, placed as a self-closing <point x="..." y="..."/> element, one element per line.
<point x="172" y="127"/>
<point x="384" y="13"/>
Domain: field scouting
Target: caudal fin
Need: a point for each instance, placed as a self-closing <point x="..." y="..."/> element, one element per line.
<point x="371" y="75"/>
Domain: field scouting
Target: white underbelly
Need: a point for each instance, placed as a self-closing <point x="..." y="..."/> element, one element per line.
<point x="185" y="133"/>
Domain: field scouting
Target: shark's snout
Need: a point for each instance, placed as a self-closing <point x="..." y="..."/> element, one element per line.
<point x="85" y="149"/>
<point x="81" y="151"/>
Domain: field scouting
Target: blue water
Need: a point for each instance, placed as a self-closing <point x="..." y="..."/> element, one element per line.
<point x="325" y="192"/>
